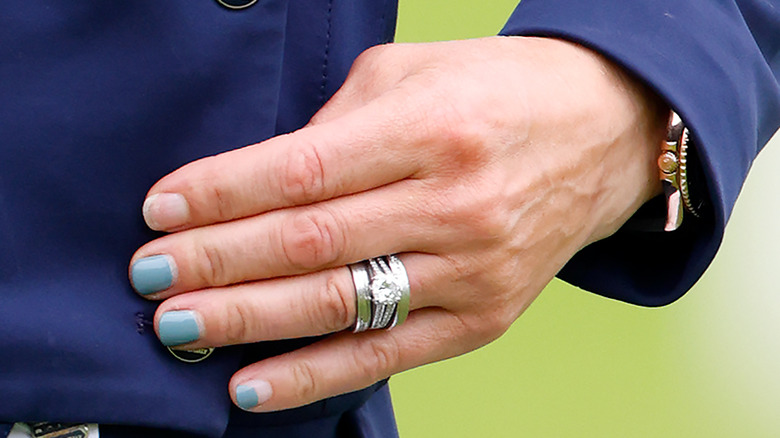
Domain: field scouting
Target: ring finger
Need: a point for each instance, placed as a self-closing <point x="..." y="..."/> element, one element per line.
<point x="307" y="305"/>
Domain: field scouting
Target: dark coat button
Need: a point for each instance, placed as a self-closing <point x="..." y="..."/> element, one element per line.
<point x="237" y="4"/>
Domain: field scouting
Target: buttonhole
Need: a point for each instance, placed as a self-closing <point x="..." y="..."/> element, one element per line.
<point x="142" y="322"/>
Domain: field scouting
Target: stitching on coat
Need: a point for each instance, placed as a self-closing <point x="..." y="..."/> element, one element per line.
<point x="142" y="323"/>
<point x="326" y="59"/>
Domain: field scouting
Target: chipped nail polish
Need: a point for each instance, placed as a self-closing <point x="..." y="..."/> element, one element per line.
<point x="253" y="394"/>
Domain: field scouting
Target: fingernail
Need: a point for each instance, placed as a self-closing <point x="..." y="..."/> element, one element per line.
<point x="253" y="394"/>
<point x="178" y="327"/>
<point x="165" y="211"/>
<point x="153" y="274"/>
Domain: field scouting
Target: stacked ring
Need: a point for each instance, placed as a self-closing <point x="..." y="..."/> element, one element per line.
<point x="381" y="293"/>
<point x="362" y="296"/>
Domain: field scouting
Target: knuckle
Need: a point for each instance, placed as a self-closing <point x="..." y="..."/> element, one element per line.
<point x="376" y="69"/>
<point x="220" y="202"/>
<point x="211" y="268"/>
<point x="369" y="59"/>
<point x="312" y="239"/>
<point x="489" y="222"/>
<point x="488" y="306"/>
<point x="304" y="380"/>
<point x="236" y="324"/>
<point x="334" y="306"/>
<point x="211" y="199"/>
<point x="463" y="142"/>
<point x="322" y="115"/>
<point x="480" y="216"/>
<point x="303" y="175"/>
<point x="494" y="325"/>
<point x="498" y="324"/>
<point x="483" y="328"/>
<point x="378" y="359"/>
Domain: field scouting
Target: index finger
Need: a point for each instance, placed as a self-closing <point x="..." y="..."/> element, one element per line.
<point x="363" y="149"/>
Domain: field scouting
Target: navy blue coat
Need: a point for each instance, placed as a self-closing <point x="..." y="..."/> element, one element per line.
<point x="98" y="100"/>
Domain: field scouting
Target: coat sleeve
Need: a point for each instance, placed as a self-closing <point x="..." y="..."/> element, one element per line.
<point x="717" y="63"/>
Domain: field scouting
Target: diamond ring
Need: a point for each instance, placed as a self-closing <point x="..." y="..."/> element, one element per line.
<point x="381" y="293"/>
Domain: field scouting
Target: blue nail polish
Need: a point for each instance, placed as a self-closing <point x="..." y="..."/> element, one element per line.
<point x="246" y="397"/>
<point x="152" y="274"/>
<point x="178" y="327"/>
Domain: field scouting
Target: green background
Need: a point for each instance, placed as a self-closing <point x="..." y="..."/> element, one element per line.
<point x="577" y="365"/>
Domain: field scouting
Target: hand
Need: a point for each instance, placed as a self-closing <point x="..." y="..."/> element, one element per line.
<point x="486" y="164"/>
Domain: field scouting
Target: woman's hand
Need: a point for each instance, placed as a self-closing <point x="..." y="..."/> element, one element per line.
<point x="485" y="164"/>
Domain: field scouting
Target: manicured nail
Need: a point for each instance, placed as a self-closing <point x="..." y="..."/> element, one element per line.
<point x="165" y="211"/>
<point x="253" y="394"/>
<point x="153" y="274"/>
<point x="178" y="327"/>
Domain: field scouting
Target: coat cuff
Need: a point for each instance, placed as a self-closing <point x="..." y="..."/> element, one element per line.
<point x="703" y="59"/>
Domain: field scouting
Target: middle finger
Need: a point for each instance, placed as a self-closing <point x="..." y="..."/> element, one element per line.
<point x="288" y="242"/>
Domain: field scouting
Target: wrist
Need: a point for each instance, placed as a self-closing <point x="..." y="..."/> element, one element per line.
<point x="631" y="177"/>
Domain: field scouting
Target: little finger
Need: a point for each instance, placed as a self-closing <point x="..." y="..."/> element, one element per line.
<point x="347" y="362"/>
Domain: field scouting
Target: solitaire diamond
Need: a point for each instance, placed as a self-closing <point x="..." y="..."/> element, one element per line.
<point x="386" y="288"/>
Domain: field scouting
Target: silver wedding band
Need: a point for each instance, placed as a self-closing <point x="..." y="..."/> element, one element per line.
<point x="381" y="293"/>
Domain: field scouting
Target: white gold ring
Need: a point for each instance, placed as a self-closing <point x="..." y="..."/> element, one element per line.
<point x="381" y="293"/>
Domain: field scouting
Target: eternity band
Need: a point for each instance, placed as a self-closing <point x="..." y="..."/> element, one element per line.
<point x="381" y="293"/>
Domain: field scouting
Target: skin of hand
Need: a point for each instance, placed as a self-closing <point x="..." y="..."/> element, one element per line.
<point x="486" y="164"/>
